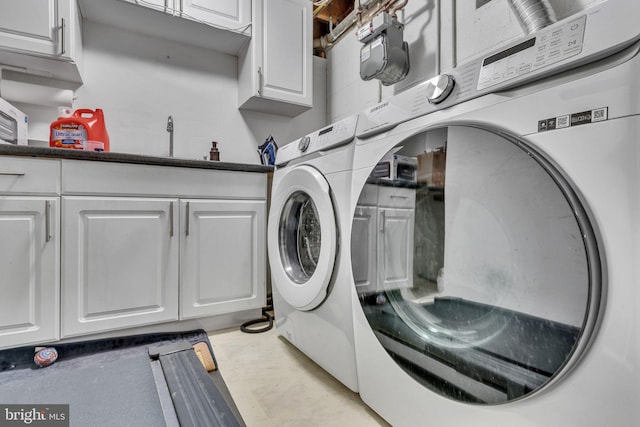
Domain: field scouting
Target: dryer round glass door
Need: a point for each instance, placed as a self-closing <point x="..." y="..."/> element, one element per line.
<point x="302" y="237"/>
<point x="479" y="272"/>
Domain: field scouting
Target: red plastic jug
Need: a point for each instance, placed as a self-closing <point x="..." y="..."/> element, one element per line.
<point x="84" y="129"/>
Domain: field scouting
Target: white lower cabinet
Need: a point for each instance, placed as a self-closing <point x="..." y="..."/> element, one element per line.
<point x="383" y="239"/>
<point x="29" y="264"/>
<point x="120" y="263"/>
<point x="395" y="248"/>
<point x="94" y="247"/>
<point x="364" y="248"/>
<point x="146" y="244"/>
<point x="222" y="256"/>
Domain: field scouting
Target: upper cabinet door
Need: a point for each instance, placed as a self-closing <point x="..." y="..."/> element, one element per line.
<point x="288" y="43"/>
<point x="231" y="14"/>
<point x="37" y="26"/>
<point x="275" y="70"/>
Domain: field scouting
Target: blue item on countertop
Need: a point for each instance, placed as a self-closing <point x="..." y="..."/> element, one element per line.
<point x="267" y="151"/>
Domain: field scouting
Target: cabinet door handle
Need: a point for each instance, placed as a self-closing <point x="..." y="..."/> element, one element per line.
<point x="382" y="221"/>
<point x="62" y="34"/>
<point x="260" y="81"/>
<point x="47" y="221"/>
<point x="12" y="173"/>
<point x="186" y="221"/>
<point x="393" y="196"/>
<point x="170" y="219"/>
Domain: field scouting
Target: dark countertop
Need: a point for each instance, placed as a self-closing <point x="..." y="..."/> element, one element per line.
<point x="65" y="153"/>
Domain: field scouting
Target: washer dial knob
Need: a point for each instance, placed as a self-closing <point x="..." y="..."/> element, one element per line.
<point x="439" y="87"/>
<point x="303" y="144"/>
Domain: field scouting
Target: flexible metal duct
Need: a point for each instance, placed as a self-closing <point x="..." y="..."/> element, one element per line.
<point x="533" y="14"/>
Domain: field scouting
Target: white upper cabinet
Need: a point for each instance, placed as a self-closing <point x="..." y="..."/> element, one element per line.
<point x="36" y="26"/>
<point x="220" y="25"/>
<point x="232" y="14"/>
<point x="275" y="70"/>
<point x="43" y="36"/>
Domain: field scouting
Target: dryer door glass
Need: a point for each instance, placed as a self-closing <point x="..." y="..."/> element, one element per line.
<point x="300" y="237"/>
<point x="479" y="273"/>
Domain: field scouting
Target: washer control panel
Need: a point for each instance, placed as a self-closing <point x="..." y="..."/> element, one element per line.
<point x="332" y="136"/>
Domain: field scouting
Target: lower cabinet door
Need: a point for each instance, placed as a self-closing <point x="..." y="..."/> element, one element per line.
<point x="29" y="264"/>
<point x="395" y="249"/>
<point x="222" y="256"/>
<point x="364" y="249"/>
<point x="119" y="263"/>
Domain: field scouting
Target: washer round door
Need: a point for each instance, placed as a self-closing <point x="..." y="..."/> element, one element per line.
<point x="484" y="278"/>
<point x="302" y="238"/>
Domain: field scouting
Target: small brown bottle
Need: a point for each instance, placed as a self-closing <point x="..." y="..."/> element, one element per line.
<point x="214" y="154"/>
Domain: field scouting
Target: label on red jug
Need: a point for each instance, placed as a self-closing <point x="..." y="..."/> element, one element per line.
<point x="68" y="135"/>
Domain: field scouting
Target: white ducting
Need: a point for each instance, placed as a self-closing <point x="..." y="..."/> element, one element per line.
<point x="533" y="15"/>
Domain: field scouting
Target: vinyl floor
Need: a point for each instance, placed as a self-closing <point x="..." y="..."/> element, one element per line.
<point x="275" y="385"/>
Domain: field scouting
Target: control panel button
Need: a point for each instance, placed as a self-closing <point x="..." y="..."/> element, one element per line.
<point x="439" y="87"/>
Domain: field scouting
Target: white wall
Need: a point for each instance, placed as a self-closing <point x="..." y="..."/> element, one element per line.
<point x="348" y="93"/>
<point x="139" y="81"/>
<point x="465" y="33"/>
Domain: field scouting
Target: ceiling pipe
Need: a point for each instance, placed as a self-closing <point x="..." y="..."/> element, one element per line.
<point x="360" y="15"/>
<point x="533" y="15"/>
<point x="331" y="37"/>
<point x="396" y="7"/>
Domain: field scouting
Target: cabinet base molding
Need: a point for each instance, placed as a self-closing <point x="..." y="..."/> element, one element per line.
<point x="209" y="324"/>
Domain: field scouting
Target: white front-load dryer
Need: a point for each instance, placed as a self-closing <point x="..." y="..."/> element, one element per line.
<point x="495" y="235"/>
<point x="307" y="225"/>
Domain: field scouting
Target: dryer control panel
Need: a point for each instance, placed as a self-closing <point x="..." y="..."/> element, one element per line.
<point x="546" y="48"/>
<point x="327" y="138"/>
<point x="567" y="44"/>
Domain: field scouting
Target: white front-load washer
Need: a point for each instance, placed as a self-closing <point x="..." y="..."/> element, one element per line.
<point x="307" y="224"/>
<point x="495" y="234"/>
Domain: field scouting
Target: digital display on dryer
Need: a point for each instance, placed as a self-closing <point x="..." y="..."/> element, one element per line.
<point x="325" y="130"/>
<point x="509" y="52"/>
